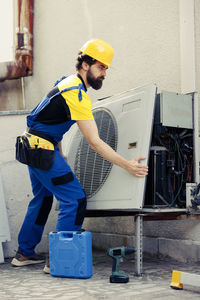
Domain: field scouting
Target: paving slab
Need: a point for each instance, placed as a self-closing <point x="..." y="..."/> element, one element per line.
<point x="30" y="282"/>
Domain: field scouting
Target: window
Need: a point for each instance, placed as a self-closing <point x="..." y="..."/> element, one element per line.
<point x="6" y="30"/>
<point x="16" y="55"/>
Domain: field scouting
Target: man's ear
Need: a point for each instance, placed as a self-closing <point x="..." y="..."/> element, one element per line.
<point x="85" y="66"/>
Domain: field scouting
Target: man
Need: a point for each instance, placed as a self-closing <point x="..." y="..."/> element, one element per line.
<point x="67" y="103"/>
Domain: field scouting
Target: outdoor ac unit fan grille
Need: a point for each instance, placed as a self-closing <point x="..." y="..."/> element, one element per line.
<point x="89" y="167"/>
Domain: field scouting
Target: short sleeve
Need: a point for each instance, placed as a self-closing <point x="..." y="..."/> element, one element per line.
<point x="79" y="109"/>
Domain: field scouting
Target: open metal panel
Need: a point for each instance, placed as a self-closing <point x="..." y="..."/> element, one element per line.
<point x="173" y="158"/>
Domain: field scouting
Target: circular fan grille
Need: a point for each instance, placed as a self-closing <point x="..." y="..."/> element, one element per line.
<point x="89" y="167"/>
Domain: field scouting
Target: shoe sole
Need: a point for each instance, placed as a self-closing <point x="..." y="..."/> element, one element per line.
<point x="46" y="270"/>
<point x="17" y="263"/>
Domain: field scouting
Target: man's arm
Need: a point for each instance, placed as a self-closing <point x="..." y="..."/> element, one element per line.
<point x="90" y="132"/>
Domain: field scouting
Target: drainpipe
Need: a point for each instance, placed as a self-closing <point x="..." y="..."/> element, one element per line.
<point x="23" y="63"/>
<point x="188" y="69"/>
<point x="187" y="46"/>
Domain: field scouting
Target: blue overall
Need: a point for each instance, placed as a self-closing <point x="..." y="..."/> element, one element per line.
<point x="58" y="181"/>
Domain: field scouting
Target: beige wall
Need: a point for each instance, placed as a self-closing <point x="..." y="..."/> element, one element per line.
<point x="197" y="43"/>
<point x="145" y="36"/>
<point x="10" y="95"/>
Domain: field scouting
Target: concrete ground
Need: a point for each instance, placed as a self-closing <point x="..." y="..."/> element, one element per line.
<point x="31" y="283"/>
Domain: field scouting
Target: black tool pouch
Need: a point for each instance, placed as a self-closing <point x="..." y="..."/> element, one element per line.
<point x="37" y="158"/>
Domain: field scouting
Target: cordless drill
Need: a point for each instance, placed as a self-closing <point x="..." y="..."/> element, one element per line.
<point x="117" y="254"/>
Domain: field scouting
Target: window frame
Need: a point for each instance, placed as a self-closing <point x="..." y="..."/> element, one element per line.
<point x="22" y="65"/>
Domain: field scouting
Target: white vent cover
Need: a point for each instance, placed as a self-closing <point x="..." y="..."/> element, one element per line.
<point x="89" y="167"/>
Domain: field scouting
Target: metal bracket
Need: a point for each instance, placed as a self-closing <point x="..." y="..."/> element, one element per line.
<point x="189" y="197"/>
<point x="139" y="244"/>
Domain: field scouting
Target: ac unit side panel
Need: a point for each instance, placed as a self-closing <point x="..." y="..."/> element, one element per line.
<point x="114" y="100"/>
<point x="113" y="204"/>
<point x="121" y="188"/>
<point x="133" y="114"/>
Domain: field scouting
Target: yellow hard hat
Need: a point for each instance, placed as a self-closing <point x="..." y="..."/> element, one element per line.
<point x="98" y="50"/>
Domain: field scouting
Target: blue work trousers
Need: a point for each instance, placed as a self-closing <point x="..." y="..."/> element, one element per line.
<point x="61" y="182"/>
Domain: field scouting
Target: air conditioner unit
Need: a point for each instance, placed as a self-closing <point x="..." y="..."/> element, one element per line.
<point x="124" y="122"/>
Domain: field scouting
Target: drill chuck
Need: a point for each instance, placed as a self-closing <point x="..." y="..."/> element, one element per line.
<point x="129" y="250"/>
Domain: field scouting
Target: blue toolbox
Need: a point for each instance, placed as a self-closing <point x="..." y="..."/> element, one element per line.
<point x="70" y="254"/>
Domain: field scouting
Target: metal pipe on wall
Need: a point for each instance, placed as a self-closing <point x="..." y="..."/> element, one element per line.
<point x="187" y="46"/>
<point x="23" y="64"/>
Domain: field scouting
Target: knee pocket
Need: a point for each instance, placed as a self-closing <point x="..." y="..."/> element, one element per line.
<point x="82" y="203"/>
<point x="44" y="211"/>
<point x="63" y="179"/>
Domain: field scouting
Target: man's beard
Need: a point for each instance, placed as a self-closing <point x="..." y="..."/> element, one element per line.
<point x="95" y="83"/>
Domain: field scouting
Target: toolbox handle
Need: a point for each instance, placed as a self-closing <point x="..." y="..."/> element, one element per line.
<point x="80" y="231"/>
<point x="67" y="235"/>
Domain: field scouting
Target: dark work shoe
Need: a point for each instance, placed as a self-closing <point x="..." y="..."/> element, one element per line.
<point x="20" y="260"/>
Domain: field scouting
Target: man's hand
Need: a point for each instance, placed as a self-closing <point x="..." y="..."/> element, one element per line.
<point x="137" y="169"/>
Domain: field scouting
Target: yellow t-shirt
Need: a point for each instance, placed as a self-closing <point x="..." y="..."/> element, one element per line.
<point x="79" y="109"/>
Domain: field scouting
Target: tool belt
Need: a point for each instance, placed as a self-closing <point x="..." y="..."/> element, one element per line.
<point x="35" y="149"/>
